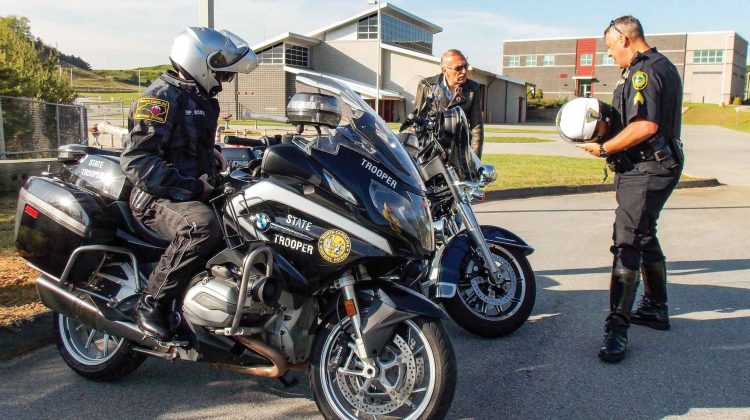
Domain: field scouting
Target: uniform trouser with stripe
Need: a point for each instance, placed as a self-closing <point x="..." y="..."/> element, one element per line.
<point x="195" y="235"/>
<point x="641" y="194"/>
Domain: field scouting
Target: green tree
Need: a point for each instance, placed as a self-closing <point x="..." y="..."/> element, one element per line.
<point x="24" y="70"/>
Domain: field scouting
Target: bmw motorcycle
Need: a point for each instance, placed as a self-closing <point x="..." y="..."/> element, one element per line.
<point x="312" y="233"/>
<point x="479" y="273"/>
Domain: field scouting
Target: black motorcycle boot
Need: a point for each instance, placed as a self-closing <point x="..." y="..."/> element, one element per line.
<point x="152" y="319"/>
<point x="623" y="286"/>
<point x="652" y="310"/>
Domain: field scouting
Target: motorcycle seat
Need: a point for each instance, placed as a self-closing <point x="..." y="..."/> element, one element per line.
<point x="131" y="224"/>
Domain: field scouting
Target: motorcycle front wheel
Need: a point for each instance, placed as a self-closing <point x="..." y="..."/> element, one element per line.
<point x="493" y="309"/>
<point x="93" y="354"/>
<point x="415" y="374"/>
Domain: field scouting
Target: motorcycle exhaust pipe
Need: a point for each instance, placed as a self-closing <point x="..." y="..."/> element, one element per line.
<point x="65" y="303"/>
<point x="279" y="367"/>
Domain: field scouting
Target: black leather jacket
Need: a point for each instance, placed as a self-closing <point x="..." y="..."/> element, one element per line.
<point x="469" y="98"/>
<point x="172" y="128"/>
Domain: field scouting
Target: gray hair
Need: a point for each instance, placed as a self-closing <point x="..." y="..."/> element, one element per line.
<point x="450" y="52"/>
<point x="628" y="26"/>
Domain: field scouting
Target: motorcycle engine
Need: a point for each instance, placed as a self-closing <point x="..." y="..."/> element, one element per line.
<point x="212" y="302"/>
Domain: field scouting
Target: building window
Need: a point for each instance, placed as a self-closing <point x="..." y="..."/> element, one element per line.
<point x="405" y="35"/>
<point x="607" y="60"/>
<point x="514" y="61"/>
<point x="272" y="55"/>
<point x="297" y="56"/>
<point x="708" y="56"/>
<point x="549" y="60"/>
<point x="367" y="28"/>
<point x="530" y="60"/>
<point x="587" y="59"/>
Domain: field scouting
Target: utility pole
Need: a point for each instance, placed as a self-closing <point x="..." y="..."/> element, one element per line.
<point x="377" y="73"/>
<point x="71" y="76"/>
<point x="206" y="13"/>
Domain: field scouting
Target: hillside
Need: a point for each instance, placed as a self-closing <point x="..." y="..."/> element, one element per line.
<point x="88" y="81"/>
<point x="130" y="77"/>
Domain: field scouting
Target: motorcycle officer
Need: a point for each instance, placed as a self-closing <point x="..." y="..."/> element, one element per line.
<point x="171" y="161"/>
<point x="647" y="158"/>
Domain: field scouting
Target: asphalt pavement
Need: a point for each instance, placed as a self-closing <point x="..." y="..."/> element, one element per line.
<point x="547" y="369"/>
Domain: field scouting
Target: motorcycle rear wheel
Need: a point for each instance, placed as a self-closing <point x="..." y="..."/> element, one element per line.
<point x="416" y="374"/>
<point x="93" y="354"/>
<point x="491" y="310"/>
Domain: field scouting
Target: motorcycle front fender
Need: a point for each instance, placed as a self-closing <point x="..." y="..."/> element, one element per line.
<point x="382" y="306"/>
<point x="445" y="270"/>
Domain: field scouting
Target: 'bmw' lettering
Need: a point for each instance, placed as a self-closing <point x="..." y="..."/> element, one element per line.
<point x="379" y="173"/>
<point x="293" y="244"/>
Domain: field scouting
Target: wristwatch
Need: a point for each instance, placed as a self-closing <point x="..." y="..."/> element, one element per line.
<point x="602" y="153"/>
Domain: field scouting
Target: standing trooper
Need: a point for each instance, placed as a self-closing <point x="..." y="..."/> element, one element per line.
<point x="171" y="161"/>
<point x="647" y="158"/>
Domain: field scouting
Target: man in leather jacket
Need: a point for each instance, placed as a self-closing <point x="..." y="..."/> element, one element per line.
<point x="452" y="88"/>
<point x="171" y="160"/>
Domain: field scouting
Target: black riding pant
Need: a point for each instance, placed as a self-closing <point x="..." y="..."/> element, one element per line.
<point x="195" y="235"/>
<point x="641" y="194"/>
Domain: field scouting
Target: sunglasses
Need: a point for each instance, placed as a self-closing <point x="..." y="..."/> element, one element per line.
<point x="459" y="68"/>
<point x="613" y="26"/>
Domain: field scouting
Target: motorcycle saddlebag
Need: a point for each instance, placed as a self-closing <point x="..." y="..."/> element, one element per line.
<point x="53" y="219"/>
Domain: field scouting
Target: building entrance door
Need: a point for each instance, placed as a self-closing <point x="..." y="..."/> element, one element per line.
<point x="584" y="88"/>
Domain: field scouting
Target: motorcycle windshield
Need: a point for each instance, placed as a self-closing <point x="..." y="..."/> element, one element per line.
<point x="405" y="208"/>
<point x="362" y="128"/>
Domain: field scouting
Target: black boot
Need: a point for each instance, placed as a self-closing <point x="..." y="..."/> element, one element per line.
<point x="652" y="310"/>
<point x="623" y="286"/>
<point x="152" y="318"/>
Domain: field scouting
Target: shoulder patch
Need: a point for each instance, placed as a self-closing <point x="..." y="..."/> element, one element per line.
<point x="639" y="80"/>
<point x="152" y="109"/>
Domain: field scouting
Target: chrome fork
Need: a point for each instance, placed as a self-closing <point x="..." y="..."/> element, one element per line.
<point x="346" y="285"/>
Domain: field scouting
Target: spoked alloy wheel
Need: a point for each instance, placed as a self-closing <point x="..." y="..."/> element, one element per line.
<point x="94" y="354"/>
<point x="414" y="377"/>
<point x="494" y="309"/>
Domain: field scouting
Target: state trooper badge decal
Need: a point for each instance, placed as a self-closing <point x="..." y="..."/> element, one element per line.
<point x="334" y="246"/>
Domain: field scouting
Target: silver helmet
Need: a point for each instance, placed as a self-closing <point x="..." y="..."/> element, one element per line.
<point x="211" y="57"/>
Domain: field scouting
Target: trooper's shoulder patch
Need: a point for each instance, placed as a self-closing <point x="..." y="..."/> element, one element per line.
<point x="152" y="109"/>
<point x="639" y="80"/>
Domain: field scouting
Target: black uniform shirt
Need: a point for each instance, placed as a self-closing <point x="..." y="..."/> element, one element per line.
<point x="651" y="88"/>
<point x="172" y="128"/>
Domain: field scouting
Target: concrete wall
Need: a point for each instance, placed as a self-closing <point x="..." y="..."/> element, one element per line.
<point x="355" y="60"/>
<point x="262" y="91"/>
<point x="402" y="73"/>
<point x="556" y="80"/>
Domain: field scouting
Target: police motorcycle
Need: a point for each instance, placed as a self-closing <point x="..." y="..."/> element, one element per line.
<point x="311" y="233"/>
<point x="480" y="273"/>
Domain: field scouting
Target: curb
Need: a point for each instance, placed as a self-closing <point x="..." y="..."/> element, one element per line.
<point x="582" y="189"/>
<point x="37" y="332"/>
<point x="29" y="335"/>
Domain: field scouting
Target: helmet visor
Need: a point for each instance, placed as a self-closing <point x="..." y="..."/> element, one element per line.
<point x="233" y="50"/>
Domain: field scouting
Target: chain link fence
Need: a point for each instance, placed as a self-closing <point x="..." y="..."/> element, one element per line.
<point x="35" y="129"/>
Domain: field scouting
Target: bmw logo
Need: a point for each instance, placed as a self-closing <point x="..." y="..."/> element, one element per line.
<point x="262" y="222"/>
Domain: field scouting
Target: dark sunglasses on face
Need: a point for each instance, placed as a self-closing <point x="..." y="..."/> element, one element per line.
<point x="459" y="68"/>
<point x="613" y="26"/>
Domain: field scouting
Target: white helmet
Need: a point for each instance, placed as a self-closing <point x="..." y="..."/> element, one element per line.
<point x="586" y="120"/>
<point x="211" y="57"/>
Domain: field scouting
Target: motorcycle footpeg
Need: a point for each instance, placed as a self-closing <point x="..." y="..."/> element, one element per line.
<point x="288" y="381"/>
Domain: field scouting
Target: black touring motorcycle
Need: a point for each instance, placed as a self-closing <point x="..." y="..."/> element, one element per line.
<point x="479" y="273"/>
<point x="314" y="232"/>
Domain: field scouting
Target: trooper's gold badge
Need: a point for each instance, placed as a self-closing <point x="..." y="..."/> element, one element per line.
<point x="334" y="246"/>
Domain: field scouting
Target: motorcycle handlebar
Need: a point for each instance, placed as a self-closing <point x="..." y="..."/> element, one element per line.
<point x="241" y="141"/>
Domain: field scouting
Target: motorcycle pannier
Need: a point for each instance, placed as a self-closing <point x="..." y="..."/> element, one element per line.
<point x="53" y="219"/>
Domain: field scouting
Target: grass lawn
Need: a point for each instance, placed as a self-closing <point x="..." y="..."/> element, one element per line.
<point x="521" y="171"/>
<point x="125" y="97"/>
<point x="516" y="139"/>
<point x="711" y="114"/>
<point x="517" y="130"/>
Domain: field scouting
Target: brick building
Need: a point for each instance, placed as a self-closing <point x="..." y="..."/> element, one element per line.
<point x="711" y="64"/>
